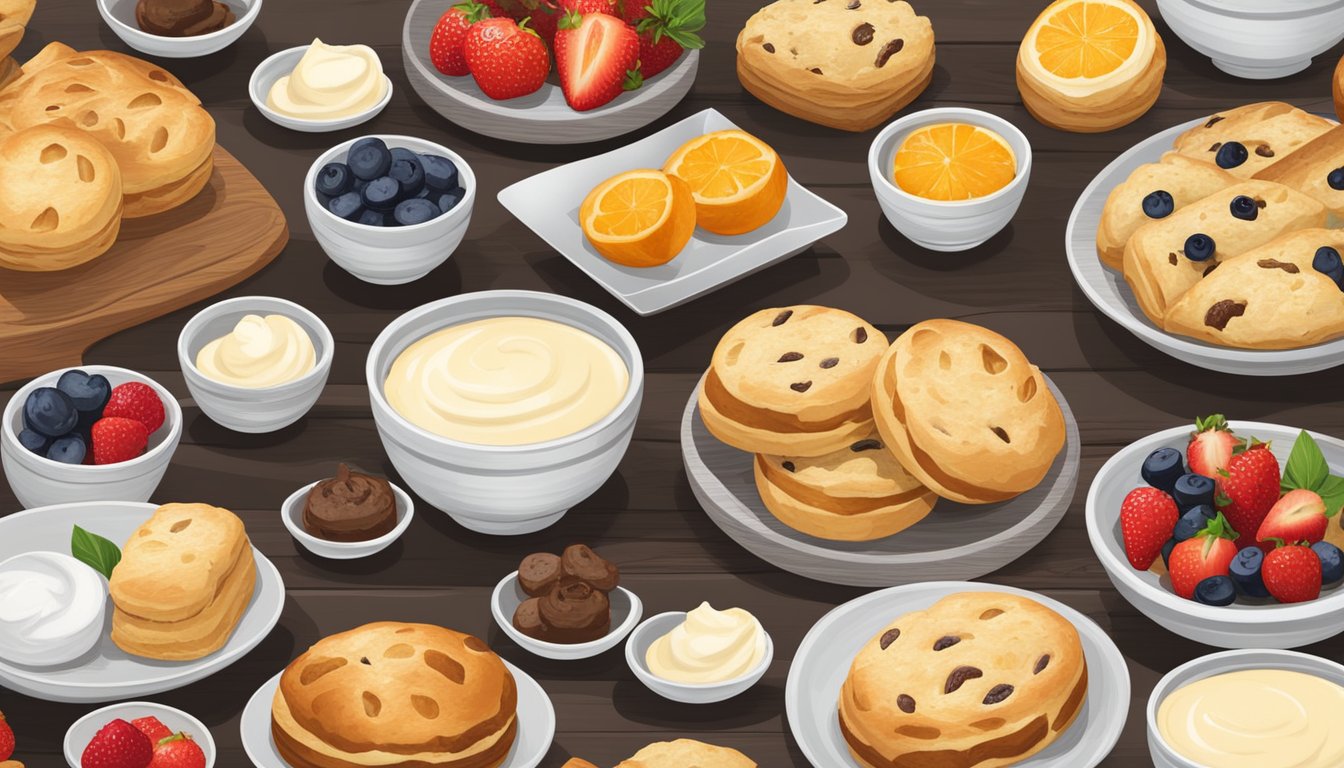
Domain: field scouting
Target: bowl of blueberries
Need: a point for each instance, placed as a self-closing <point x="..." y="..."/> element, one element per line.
<point x="96" y="433"/>
<point x="389" y="209"/>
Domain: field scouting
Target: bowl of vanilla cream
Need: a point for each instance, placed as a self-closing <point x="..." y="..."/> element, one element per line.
<point x="505" y="408"/>
<point x="700" y="656"/>
<point x="51" y="609"/>
<point x="319" y="88"/>
<point x="255" y="363"/>
<point x="1248" y="709"/>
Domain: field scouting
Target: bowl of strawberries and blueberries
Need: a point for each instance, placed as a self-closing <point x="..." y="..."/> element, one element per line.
<point x="1228" y="526"/>
<point x="86" y="420"/>
<point x="598" y="48"/>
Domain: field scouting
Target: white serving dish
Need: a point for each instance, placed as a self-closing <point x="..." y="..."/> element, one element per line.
<point x="1108" y="291"/>
<point x="280" y="65"/>
<point x="253" y="409"/>
<point x="107" y="673"/>
<point x="513" y="489"/>
<point x="542" y="117"/>
<point x="78" y="736"/>
<point x="120" y="16"/>
<point x="655" y="627"/>
<point x="390" y="255"/>
<point x="1259" y="624"/>
<point x="823" y="659"/>
<point x="291" y="513"/>
<point x="626" y="611"/>
<point x="708" y="261"/>
<point x="38" y="481"/>
<point x="1254" y="39"/>
<point x="957" y="225"/>
<point x="1218" y="664"/>
<point x="536" y="725"/>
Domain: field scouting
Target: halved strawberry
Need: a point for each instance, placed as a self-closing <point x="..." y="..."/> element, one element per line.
<point x="597" y="57"/>
<point x="1211" y="446"/>
<point x="1208" y="554"/>
<point x="1298" y="516"/>
<point x="666" y="29"/>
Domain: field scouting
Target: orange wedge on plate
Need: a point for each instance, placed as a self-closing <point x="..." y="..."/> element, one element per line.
<point x="738" y="181"/>
<point x="954" y="161"/>
<point x="1085" y="39"/>
<point x="639" y="218"/>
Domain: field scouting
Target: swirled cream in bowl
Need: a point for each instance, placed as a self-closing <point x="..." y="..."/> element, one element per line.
<point x="708" y="647"/>
<point x="320" y="87"/>
<point x="259" y="352"/>
<point x="51" y="609"/>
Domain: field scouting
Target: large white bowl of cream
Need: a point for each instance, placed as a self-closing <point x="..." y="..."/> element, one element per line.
<point x="51" y="609"/>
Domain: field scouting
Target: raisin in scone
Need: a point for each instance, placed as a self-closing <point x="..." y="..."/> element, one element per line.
<point x="847" y="64"/>
<point x="977" y="680"/>
<point x="1247" y="140"/>
<point x="1154" y="191"/>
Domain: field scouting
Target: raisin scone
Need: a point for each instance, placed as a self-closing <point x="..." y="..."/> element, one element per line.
<point x="965" y="412"/>
<point x="847" y="64"/>
<point x="1247" y="140"/>
<point x="1317" y="168"/>
<point x="1154" y="191"/>
<point x="792" y="380"/>
<point x="977" y="680"/>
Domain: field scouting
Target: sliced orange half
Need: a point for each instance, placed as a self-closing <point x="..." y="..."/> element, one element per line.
<point x="1085" y="39"/>
<point x="738" y="181"/>
<point x="639" y="218"/>
<point x="954" y="161"/>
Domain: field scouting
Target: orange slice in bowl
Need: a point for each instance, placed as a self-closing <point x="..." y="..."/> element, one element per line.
<point x="738" y="181"/>
<point x="639" y="218"/>
<point x="954" y="161"/>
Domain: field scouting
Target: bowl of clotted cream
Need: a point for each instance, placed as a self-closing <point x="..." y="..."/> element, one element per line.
<point x="700" y="656"/>
<point x="51" y="609"/>
<point x="318" y="88"/>
<point x="505" y="408"/>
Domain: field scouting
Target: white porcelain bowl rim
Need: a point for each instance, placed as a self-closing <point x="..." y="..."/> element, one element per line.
<point x="172" y="419"/>
<point x="254" y="86"/>
<point x="1287" y="9"/>
<point x="201" y="736"/>
<point x="620" y="630"/>
<point x="253" y="8"/>
<point x="403" y="500"/>
<point x="646" y="626"/>
<point x="194" y="326"/>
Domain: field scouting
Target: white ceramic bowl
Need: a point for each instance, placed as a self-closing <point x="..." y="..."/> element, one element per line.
<point x="291" y="512"/>
<point x="957" y="225"/>
<point x="245" y="409"/>
<point x="78" y="736"/>
<point x="390" y="255"/>
<point x="1221" y="663"/>
<point x="279" y="65"/>
<point x="120" y="16"/>
<point x="1255" y="39"/>
<point x="626" y="611"/>
<point x="1244" y="624"/>
<point x="687" y="693"/>
<point x="512" y="489"/>
<point x="38" y="481"/>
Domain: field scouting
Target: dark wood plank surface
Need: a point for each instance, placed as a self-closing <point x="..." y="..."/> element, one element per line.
<point x="646" y="517"/>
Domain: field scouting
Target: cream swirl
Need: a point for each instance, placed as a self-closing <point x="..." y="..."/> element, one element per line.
<point x="708" y="647"/>
<point x="51" y="608"/>
<point x="260" y="352"/>
<point x="507" y="381"/>
<point x="330" y="82"/>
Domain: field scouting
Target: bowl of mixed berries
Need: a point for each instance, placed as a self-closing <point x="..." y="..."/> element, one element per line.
<point x="1227" y="534"/>
<point x="96" y="433"/>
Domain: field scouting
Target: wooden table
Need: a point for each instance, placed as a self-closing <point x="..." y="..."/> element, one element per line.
<point x="645" y="517"/>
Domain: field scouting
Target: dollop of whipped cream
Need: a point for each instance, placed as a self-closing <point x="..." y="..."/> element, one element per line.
<point x="51" y="608"/>
<point x="330" y="82"/>
<point x="260" y="352"/>
<point x="708" y="647"/>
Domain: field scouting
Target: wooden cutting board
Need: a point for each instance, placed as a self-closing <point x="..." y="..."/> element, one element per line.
<point x="159" y="264"/>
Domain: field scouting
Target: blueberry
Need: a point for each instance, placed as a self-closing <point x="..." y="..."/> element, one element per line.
<point x="50" y="412"/>
<point x="416" y="211"/>
<point x="1231" y="155"/>
<point x="440" y="172"/>
<point x="1162" y="468"/>
<point x="1332" y="561"/>
<point x="1336" y="179"/>
<point x="1192" y="490"/>
<point x="334" y="180"/>
<point x="1191" y="523"/>
<point x="1244" y="208"/>
<point x="406" y="168"/>
<point x="89" y="393"/>
<point x="1245" y="570"/>
<point x="1327" y="262"/>
<point x="449" y="200"/>
<point x="1216" y="590"/>
<point x="374" y="218"/>
<point x="34" y="441"/>
<point x="68" y="450"/>
<point x="369" y="158"/>
<point x="1166" y="551"/>
<point x="348" y="206"/>
<point x="382" y="194"/>
<point x="1158" y="205"/>
<point x="1199" y="247"/>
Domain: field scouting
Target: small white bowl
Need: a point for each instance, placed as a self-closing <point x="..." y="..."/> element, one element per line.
<point x="38" y="481"/>
<point x="78" y="736"/>
<point x="390" y="255"/>
<point x="279" y="65"/>
<point x="291" y="512"/>
<point x="626" y="611"/>
<point x="247" y="409"/>
<point x="1254" y="39"/>
<point x="655" y="627"/>
<point x="120" y="16"/>
<point x="1221" y="663"/>
<point x="957" y="225"/>
<point x="504" y="489"/>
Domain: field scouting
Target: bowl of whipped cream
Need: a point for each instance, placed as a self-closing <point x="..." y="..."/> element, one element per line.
<point x="700" y="656"/>
<point x="52" y="609"/>
<point x="318" y="88"/>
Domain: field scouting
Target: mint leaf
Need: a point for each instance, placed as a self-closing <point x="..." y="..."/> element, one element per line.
<point x="1306" y="466"/>
<point x="1332" y="493"/>
<point x="94" y="551"/>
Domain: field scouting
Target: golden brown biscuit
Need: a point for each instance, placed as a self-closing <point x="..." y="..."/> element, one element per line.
<point x="575" y="762"/>
<point x="9" y="72"/>
<point x="1267" y="131"/>
<point x="687" y="753"/>
<point x="1309" y="169"/>
<point x="977" y="680"/>
<point x="1186" y="179"/>
<point x="14" y="18"/>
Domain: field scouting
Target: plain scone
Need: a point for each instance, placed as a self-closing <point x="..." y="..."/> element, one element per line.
<point x="1186" y="179"/>
<point x="1269" y="130"/>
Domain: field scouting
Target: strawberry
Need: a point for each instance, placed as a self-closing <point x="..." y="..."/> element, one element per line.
<point x="541" y="15"/>
<point x="597" y="57"/>
<point x="1248" y="489"/>
<point x="178" y="751"/>
<point x="1147" y="518"/>
<point x="445" y="43"/>
<point x="136" y="400"/>
<point x="1292" y="573"/>
<point x="1298" y="516"/>
<point x="507" y="60"/>
<point x="152" y="728"/>
<point x="118" y="439"/>
<point x="666" y="28"/>
<point x="1211" y="446"/>
<point x="1209" y="553"/>
<point x="6" y="739"/>
<point x="117" y="745"/>
<point x="584" y="7"/>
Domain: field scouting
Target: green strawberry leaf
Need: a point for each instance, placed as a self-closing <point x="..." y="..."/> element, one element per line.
<point x="94" y="551"/>
<point x="1219" y="528"/>
<point x="1306" y="467"/>
<point x="633" y="80"/>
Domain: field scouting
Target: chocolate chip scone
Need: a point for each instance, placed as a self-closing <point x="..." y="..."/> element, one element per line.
<point x="792" y="380"/>
<point x="847" y="64"/>
<point x="977" y="680"/>
<point x="1247" y="140"/>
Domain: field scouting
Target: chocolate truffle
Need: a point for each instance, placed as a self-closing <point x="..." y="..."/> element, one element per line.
<point x="351" y="506"/>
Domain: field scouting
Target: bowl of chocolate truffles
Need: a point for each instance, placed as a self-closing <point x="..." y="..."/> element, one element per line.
<point x="349" y="516"/>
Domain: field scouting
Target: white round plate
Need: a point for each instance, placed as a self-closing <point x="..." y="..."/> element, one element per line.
<point x="78" y="736"/>
<point x="108" y="673"/>
<point x="956" y="541"/>
<point x="536" y="725"/>
<point x="823" y="659"/>
<point x="1108" y="291"/>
